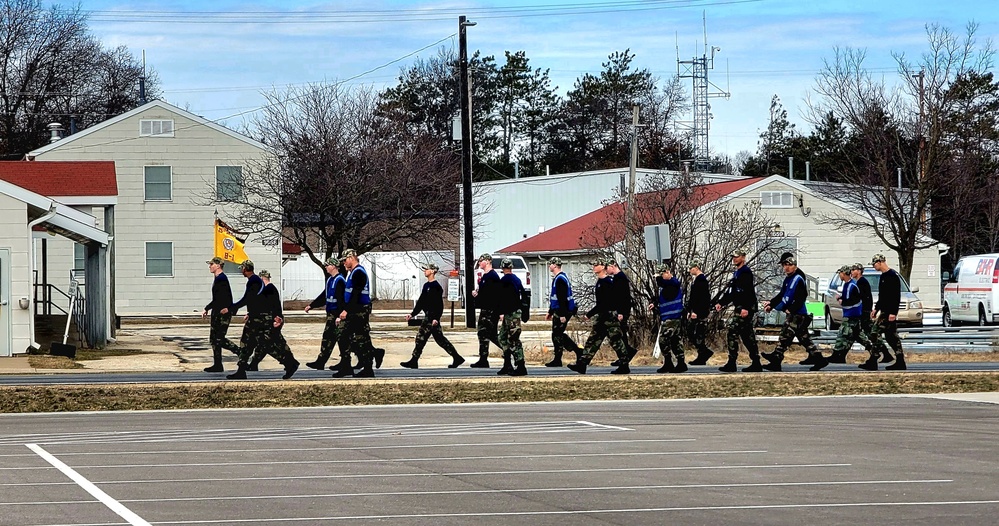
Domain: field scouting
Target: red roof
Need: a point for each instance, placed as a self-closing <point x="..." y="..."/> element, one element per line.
<point x="605" y="226"/>
<point x="62" y="178"/>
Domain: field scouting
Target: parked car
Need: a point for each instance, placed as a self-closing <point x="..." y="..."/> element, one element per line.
<point x="910" y="309"/>
<point x="972" y="293"/>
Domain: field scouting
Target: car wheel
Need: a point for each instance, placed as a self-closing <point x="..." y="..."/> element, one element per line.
<point x="981" y="317"/>
<point x="830" y="324"/>
<point x="947" y="320"/>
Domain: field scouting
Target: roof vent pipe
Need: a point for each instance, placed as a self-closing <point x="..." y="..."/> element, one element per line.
<point x="56" y="130"/>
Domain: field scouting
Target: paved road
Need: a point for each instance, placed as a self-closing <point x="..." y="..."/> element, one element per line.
<point x="389" y="373"/>
<point x="836" y="460"/>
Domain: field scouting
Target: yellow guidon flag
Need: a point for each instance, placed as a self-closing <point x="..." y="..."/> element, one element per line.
<point x="228" y="244"/>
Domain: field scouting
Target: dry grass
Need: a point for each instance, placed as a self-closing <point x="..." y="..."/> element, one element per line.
<point x="354" y="392"/>
<point x="46" y="361"/>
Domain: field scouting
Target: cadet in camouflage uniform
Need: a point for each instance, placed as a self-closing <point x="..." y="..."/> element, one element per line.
<point x="355" y="316"/>
<point x="791" y="300"/>
<point x="850" y="331"/>
<point x="606" y="325"/>
<point x="561" y="307"/>
<point x="221" y="299"/>
<point x="485" y="300"/>
<point x="511" y="293"/>
<point x="332" y="298"/>
<point x="885" y="316"/>
<point x="254" y="328"/>
<point x="670" y="317"/>
<point x="698" y="310"/>
<point x="866" y="323"/>
<point x="271" y="341"/>
<point x="431" y="302"/>
<point x="741" y="294"/>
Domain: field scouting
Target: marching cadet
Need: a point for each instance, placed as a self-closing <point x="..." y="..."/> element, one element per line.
<point x="253" y="327"/>
<point x="670" y="317"/>
<point x="356" y="318"/>
<point x="791" y="300"/>
<point x="698" y="309"/>
<point x="867" y="300"/>
<point x="606" y="324"/>
<point x="221" y="300"/>
<point x="431" y="302"/>
<point x="622" y="293"/>
<point x="561" y="307"/>
<point x="850" y="331"/>
<point x="485" y="299"/>
<point x="511" y="293"/>
<point x="742" y="295"/>
<point x="272" y="342"/>
<point x="332" y="299"/>
<point x="885" y="316"/>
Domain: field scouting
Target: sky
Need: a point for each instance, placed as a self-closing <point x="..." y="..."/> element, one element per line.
<point x="215" y="58"/>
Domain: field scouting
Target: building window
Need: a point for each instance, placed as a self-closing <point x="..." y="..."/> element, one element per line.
<point x="767" y="267"/>
<point x="159" y="258"/>
<point x="158" y="184"/>
<point x="229" y="183"/>
<point x="155" y="128"/>
<point x="79" y="258"/>
<point x="776" y="199"/>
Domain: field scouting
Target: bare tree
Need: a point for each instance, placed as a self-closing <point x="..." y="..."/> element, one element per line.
<point x="896" y="133"/>
<point x="341" y="175"/>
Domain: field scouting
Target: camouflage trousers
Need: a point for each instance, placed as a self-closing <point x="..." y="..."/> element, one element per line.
<point x="669" y="338"/>
<point x="216" y="335"/>
<point x="698" y="332"/>
<point x="509" y="336"/>
<point x="605" y="326"/>
<point x="487" y="331"/>
<point x="740" y="328"/>
<point x="851" y="331"/>
<point x="561" y="341"/>
<point x="333" y="336"/>
<point x="428" y="329"/>
<point x="261" y="339"/>
<point x="884" y="331"/>
<point x="357" y="330"/>
<point x="795" y="326"/>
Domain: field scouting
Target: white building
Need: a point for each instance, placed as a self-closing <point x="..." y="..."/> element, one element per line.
<point x="169" y="165"/>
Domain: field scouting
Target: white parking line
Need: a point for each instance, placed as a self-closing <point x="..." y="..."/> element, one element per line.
<point x="505" y="491"/>
<point x="89" y="487"/>
<point x="413" y="459"/>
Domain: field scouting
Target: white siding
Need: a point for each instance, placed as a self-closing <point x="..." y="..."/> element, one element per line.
<point x="192" y="153"/>
<point x="14" y="236"/>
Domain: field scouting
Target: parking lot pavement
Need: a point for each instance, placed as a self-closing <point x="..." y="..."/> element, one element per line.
<point x="836" y="460"/>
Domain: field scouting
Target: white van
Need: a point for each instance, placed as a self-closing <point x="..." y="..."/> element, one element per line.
<point x="972" y="294"/>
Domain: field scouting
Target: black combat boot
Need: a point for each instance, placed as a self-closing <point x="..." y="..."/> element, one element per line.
<point x="871" y="364"/>
<point x="289" y="369"/>
<point x="216" y="366"/>
<point x="520" y="369"/>
<point x="342" y="369"/>
<point x="254" y="362"/>
<point x="624" y="368"/>
<point x="483" y="363"/>
<point x="240" y="373"/>
<point x="818" y="361"/>
<point x="886" y="356"/>
<point x="318" y="365"/>
<point x="578" y="366"/>
<point x="754" y="366"/>
<point x="413" y="363"/>
<point x="899" y="364"/>
<point x="507" y="367"/>
<point x="365" y="372"/>
<point x="379" y="356"/>
<point x="730" y="366"/>
<point x="458" y="360"/>
<point x="667" y="365"/>
<point x="702" y="357"/>
<point x="681" y="365"/>
<point x="810" y="359"/>
<point x="838" y="357"/>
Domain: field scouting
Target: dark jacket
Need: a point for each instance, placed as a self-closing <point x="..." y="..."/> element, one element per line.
<point x="511" y="291"/>
<point x="268" y="302"/>
<point x="253" y="286"/>
<point x="865" y="294"/>
<point x="889" y="292"/>
<point x="622" y="294"/>
<point x="431" y="301"/>
<point x="742" y="291"/>
<point x="488" y="295"/>
<point x="606" y="299"/>
<point x="700" y="297"/>
<point x="221" y="294"/>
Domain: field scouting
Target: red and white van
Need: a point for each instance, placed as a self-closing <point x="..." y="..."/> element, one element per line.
<point x="972" y="295"/>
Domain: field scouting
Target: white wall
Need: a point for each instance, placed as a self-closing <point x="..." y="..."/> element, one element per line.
<point x="14" y="236"/>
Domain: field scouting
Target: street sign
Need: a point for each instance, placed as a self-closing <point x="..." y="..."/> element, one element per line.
<point x="452" y="289"/>
<point x="657" y="244"/>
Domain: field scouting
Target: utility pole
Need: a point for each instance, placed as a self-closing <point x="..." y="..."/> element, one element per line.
<point x="920" y="163"/>
<point x="466" y="170"/>
<point x="632" y="168"/>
